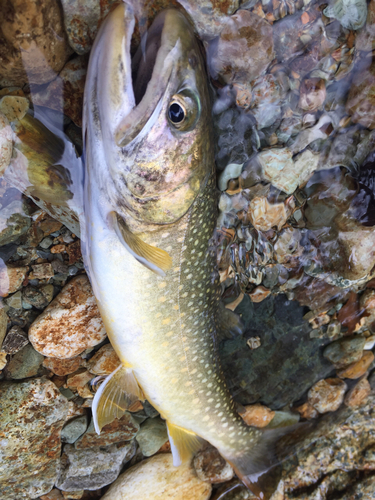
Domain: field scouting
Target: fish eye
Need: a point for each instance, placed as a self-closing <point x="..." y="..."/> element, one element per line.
<point x="183" y="110"/>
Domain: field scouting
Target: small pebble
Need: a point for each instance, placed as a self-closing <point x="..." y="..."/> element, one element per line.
<point x="307" y="411"/>
<point x="327" y="395"/>
<point x="15" y="340"/>
<point x="257" y="415"/>
<point x="254" y="342"/>
<point x="359" y="368"/>
<point x="358" y="393"/>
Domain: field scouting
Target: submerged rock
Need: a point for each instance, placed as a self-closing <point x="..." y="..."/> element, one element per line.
<point x="32" y="415"/>
<point x="327" y="395"/>
<point x="152" y="435"/>
<point x="211" y="466"/>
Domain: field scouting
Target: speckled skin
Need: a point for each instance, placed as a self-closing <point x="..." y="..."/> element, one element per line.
<point x="163" y="328"/>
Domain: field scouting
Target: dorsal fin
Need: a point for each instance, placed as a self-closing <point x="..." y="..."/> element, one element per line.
<point x="116" y="394"/>
<point x="155" y="259"/>
<point x="184" y="443"/>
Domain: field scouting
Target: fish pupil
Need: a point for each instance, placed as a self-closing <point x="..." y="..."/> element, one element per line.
<point x="176" y="113"/>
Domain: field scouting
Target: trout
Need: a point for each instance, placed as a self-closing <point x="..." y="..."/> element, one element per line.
<point x="150" y="209"/>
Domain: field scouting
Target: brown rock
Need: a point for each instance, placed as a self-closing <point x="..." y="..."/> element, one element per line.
<point x="74" y="252"/>
<point x="6" y="143"/>
<point x="257" y="415"/>
<point x="123" y="429"/>
<point x="11" y="279"/>
<point x="358" y="393"/>
<point x="157" y="479"/>
<point x="70" y="324"/>
<point x="33" y="43"/>
<point x="307" y="411"/>
<point x="259" y="294"/>
<point x="361" y="99"/>
<point x="54" y="494"/>
<point x="211" y="466"/>
<point x="65" y="93"/>
<point x="63" y="367"/>
<point x="79" y="382"/>
<point x="327" y="395"/>
<point x="3" y="360"/>
<point x="356" y="370"/>
<point x="58" y="248"/>
<point x="15" y="340"/>
<point x="243" y="50"/>
<point x="104" y="362"/>
<point x="41" y="271"/>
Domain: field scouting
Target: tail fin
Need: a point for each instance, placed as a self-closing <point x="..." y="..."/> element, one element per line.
<point x="259" y="466"/>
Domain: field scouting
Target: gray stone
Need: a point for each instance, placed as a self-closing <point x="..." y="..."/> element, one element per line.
<point x="14" y="221"/>
<point x="14" y="300"/>
<point x="345" y="351"/>
<point x="74" y="429"/>
<point x="35" y="297"/>
<point x="152" y="435"/>
<point x="92" y="468"/>
<point x="25" y="363"/>
<point x="32" y="415"/>
<point x="15" y="340"/>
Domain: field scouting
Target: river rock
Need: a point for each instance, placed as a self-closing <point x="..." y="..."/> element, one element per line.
<point x="327" y="395"/>
<point x="54" y="494"/>
<point x="356" y="370"/>
<point x="33" y="44"/>
<point x="104" y="362"/>
<point x="32" y="415"/>
<point x="11" y="279"/>
<point x="243" y="50"/>
<point x="157" y="479"/>
<point x="152" y="435"/>
<point x="63" y="367"/>
<point x="345" y="351"/>
<point x="6" y="143"/>
<point x="358" y="394"/>
<point x="361" y="100"/>
<point x="92" y="468"/>
<point x="123" y="429"/>
<point x="13" y="222"/>
<point x="74" y="429"/>
<point x="3" y="325"/>
<point x="70" y="324"/>
<point x="257" y="415"/>
<point x="25" y="363"/>
<point x="79" y="382"/>
<point x="211" y="466"/>
<point x="15" y="340"/>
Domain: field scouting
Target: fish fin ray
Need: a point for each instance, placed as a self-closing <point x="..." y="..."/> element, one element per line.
<point x="115" y="395"/>
<point x="154" y="258"/>
<point x="184" y="443"/>
<point x="228" y="324"/>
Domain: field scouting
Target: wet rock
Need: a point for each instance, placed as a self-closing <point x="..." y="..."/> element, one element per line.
<point x="78" y="382"/>
<point x="15" y="301"/>
<point x="211" y="466"/>
<point x="345" y="351"/>
<point x="65" y="93"/>
<point x="3" y="360"/>
<point x="74" y="429"/>
<point x="156" y="478"/>
<point x="356" y="370"/>
<point x="15" y="340"/>
<point x="92" y="468"/>
<point x="38" y="297"/>
<point x="243" y="33"/>
<point x="104" y="362"/>
<point x="327" y="395"/>
<point x="363" y="489"/>
<point x="70" y="324"/>
<point x="41" y="51"/>
<point x="25" y="363"/>
<point x="13" y="222"/>
<point x="257" y="415"/>
<point x="41" y="271"/>
<point x="33" y="414"/>
<point x="123" y="429"/>
<point x="6" y="145"/>
<point x="152" y="435"/>
<point x="358" y="393"/>
<point x="351" y="13"/>
<point x="11" y="279"/>
<point x="307" y="411"/>
<point x="63" y="367"/>
<point x="265" y="215"/>
<point x="283" y="419"/>
<point x="312" y="94"/>
<point x="360" y="103"/>
<point x="54" y="494"/>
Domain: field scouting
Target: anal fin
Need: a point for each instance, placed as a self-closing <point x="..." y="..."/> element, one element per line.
<point x="184" y="443"/>
<point x="115" y="395"/>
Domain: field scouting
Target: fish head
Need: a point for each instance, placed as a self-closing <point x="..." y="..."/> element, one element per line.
<point x="148" y="117"/>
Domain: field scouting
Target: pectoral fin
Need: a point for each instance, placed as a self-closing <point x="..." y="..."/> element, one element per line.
<point x="184" y="443"/>
<point x="155" y="259"/>
<point x="116" y="394"/>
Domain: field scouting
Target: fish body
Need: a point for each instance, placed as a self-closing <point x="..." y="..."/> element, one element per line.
<point x="150" y="210"/>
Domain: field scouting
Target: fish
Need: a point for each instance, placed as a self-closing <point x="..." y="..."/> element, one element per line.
<point x="150" y="205"/>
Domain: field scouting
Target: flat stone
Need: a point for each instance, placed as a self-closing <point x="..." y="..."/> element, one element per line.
<point x="358" y="369"/>
<point x="32" y="415"/>
<point x="15" y="340"/>
<point x="358" y="394"/>
<point x="92" y="468"/>
<point x="210" y="466"/>
<point x="63" y="367"/>
<point x="41" y="51"/>
<point x="327" y="395"/>
<point x="345" y="351"/>
<point x="104" y="362"/>
<point x="152" y="435"/>
<point x="74" y="429"/>
<point x="157" y="479"/>
<point x="25" y="363"/>
<point x="123" y="429"/>
<point x="257" y="415"/>
<point x="11" y="279"/>
<point x="70" y="324"/>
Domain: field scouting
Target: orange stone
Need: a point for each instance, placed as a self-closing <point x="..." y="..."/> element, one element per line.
<point x="305" y="18"/>
<point x="358" y="394"/>
<point x="63" y="367"/>
<point x="259" y="293"/>
<point x="58" y="249"/>
<point x="104" y="362"/>
<point x="358" y="369"/>
<point x="257" y="415"/>
<point x="307" y="411"/>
